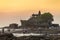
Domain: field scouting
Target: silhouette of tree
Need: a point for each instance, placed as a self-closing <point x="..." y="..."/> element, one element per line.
<point x="47" y="17"/>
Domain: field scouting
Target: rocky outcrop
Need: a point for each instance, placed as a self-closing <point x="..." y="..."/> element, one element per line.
<point x="6" y="36"/>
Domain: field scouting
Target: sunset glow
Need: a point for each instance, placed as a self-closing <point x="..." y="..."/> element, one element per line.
<point x="12" y="11"/>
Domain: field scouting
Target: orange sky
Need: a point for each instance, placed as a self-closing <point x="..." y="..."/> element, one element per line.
<point x="12" y="11"/>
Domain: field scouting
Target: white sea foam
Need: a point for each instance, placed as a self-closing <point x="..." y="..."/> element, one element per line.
<point x="21" y="34"/>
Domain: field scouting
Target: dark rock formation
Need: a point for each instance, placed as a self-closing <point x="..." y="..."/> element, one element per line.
<point x="7" y="36"/>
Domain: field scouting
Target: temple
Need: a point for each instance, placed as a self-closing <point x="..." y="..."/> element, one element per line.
<point x="36" y="21"/>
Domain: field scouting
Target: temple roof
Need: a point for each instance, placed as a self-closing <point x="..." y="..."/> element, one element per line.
<point x="39" y="13"/>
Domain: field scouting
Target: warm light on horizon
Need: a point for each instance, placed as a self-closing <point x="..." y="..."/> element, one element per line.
<point x="14" y="10"/>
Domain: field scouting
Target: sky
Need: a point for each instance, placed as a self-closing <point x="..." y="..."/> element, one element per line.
<point x="12" y="11"/>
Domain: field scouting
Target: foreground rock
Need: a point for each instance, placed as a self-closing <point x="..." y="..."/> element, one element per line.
<point x="10" y="36"/>
<point x="6" y="36"/>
